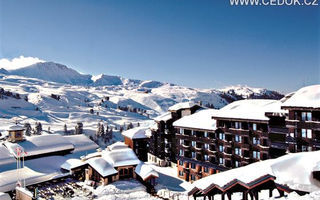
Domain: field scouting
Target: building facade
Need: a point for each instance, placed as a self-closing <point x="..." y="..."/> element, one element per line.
<point x="303" y="120"/>
<point x="137" y="140"/>
<point x="211" y="141"/>
<point x="162" y="142"/>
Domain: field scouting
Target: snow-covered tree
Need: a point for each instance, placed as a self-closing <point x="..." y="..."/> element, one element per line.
<point x="38" y="129"/>
<point x="65" y="129"/>
<point x="28" y="128"/>
<point x="100" y="130"/>
<point x="79" y="128"/>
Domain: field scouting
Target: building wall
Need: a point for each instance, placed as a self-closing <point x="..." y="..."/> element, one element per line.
<point x="162" y="143"/>
<point x="304" y="129"/>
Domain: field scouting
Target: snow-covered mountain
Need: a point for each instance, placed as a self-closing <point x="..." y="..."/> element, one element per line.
<point x="54" y="72"/>
<point x="58" y="94"/>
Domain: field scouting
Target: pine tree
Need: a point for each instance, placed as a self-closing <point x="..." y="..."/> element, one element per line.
<point x="28" y="128"/>
<point x="79" y="128"/>
<point x="65" y="129"/>
<point x="38" y="128"/>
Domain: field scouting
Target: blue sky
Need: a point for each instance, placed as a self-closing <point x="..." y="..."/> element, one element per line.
<point x="196" y="43"/>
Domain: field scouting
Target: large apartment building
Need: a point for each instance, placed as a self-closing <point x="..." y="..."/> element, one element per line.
<point x="196" y="145"/>
<point x="162" y="142"/>
<point x="236" y="135"/>
<point x="303" y="120"/>
<point x="247" y="131"/>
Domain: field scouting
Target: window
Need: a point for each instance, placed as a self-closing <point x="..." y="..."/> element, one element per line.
<point x="256" y="154"/>
<point x="254" y="127"/>
<point x="221" y="161"/>
<point x="237" y="151"/>
<point x="180" y="173"/>
<point x="205" y="134"/>
<point x="206" y="157"/>
<point x="221" y="136"/>
<point x="193" y="177"/>
<point x="237" y="164"/>
<point x="237" y="138"/>
<point x="206" y="146"/>
<point x="309" y="116"/>
<point x="181" y="142"/>
<point x="181" y="152"/>
<point x="193" y="132"/>
<point x="255" y="141"/>
<point x="193" y="143"/>
<point x="309" y="133"/>
<point x="303" y="116"/>
<point x="238" y="125"/>
<point x="193" y="166"/>
<point x="193" y="154"/>
<point x="303" y="133"/>
<point x="180" y="162"/>
<point x="205" y="169"/>
<point x="221" y="148"/>
<point x="181" y="131"/>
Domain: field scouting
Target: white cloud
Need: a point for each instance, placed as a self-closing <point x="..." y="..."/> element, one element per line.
<point x="19" y="62"/>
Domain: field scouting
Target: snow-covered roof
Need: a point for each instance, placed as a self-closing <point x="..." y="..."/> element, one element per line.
<point x="308" y="97"/>
<point x="250" y="109"/>
<point x="117" y="146"/>
<point x="183" y="105"/>
<point x="202" y="119"/>
<point x="81" y="142"/>
<point x="72" y="163"/>
<point x="5" y="156"/>
<point x="145" y="171"/>
<point x="294" y="170"/>
<point x="164" y="117"/>
<point x="41" y="144"/>
<point x="121" y="157"/>
<point x="35" y="171"/>
<point x="16" y="128"/>
<point x="102" y="166"/>
<point x="136" y="133"/>
<point x="148" y="133"/>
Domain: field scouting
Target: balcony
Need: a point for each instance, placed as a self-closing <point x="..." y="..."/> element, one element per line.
<point x="315" y="125"/>
<point x="279" y="145"/>
<point x="278" y="130"/>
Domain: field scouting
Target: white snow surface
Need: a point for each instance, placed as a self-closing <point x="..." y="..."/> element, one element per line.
<point x="183" y="105"/>
<point x="136" y="133"/>
<point x="305" y="97"/>
<point x="102" y="166"/>
<point x="253" y="109"/>
<point x="81" y="142"/>
<point x="72" y="163"/>
<point x="294" y="170"/>
<point x="145" y="170"/>
<point x="121" y="157"/>
<point x="117" y="146"/>
<point x="5" y="156"/>
<point x="40" y="144"/>
<point x="164" y="117"/>
<point x="202" y="119"/>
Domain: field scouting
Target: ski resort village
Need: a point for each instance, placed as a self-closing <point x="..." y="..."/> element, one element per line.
<point x="65" y="135"/>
